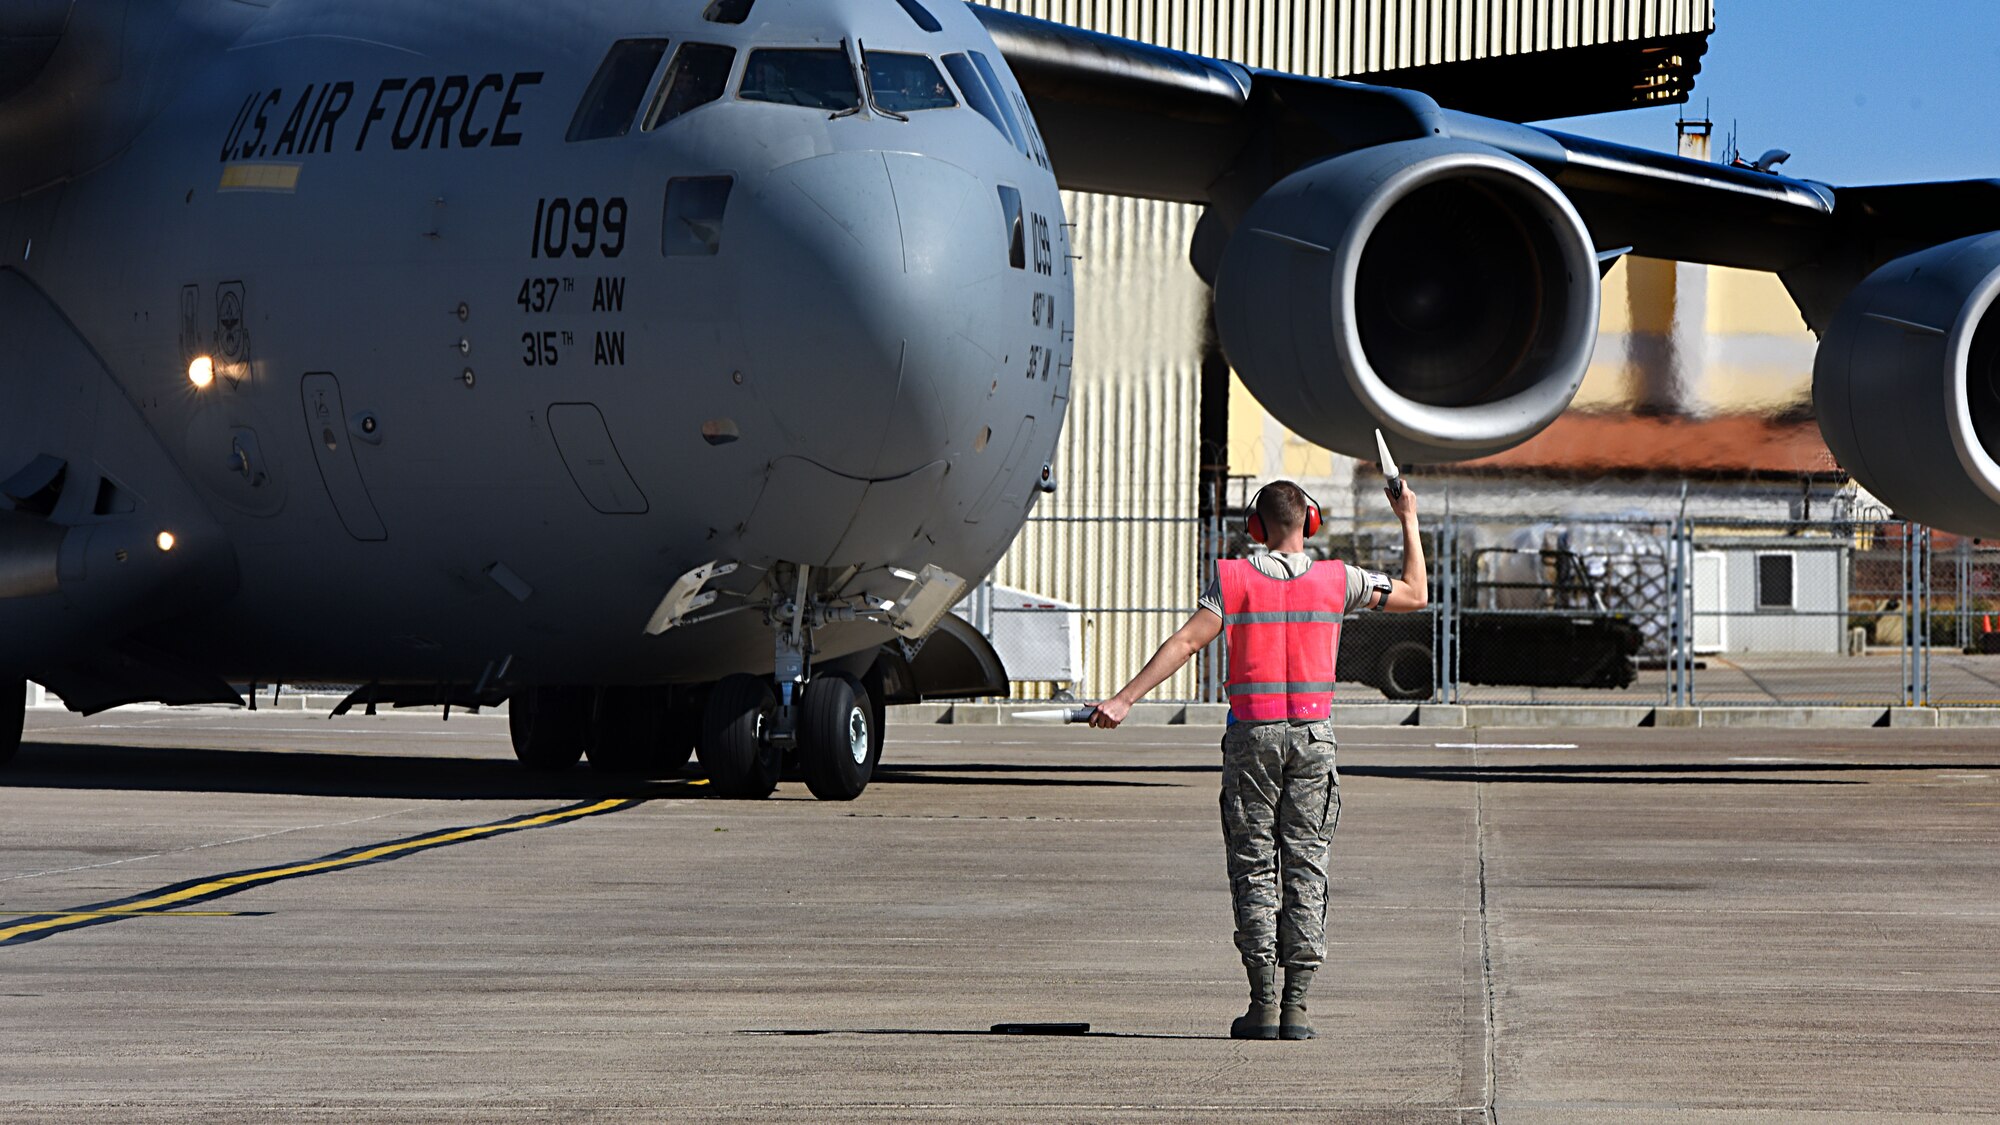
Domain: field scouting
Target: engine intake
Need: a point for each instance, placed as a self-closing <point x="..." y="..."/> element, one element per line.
<point x="1443" y="290"/>
<point x="1907" y="385"/>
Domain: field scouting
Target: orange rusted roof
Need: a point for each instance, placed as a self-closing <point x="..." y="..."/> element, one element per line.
<point x="1740" y="443"/>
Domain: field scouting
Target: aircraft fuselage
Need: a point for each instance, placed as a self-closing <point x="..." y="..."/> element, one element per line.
<point x="494" y="362"/>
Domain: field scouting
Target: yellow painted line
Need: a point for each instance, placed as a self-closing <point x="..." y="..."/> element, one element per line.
<point x="154" y="901"/>
<point x="133" y="913"/>
<point x="260" y="177"/>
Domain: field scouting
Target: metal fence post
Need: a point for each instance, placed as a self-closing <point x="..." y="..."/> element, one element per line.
<point x="1908" y="654"/>
<point x="1677" y="625"/>
<point x="1962" y="579"/>
<point x="1903" y="650"/>
<point x="1457" y="562"/>
<point x="1445" y="623"/>
<point x="1925" y="547"/>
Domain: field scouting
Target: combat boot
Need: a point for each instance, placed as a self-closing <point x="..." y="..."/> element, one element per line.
<point x="1293" y="1023"/>
<point x="1261" y="1021"/>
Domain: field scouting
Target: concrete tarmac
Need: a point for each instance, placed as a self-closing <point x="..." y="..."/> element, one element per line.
<point x="1574" y="926"/>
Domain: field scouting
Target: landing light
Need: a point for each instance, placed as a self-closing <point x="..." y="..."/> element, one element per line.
<point x="165" y="540"/>
<point x="201" y="373"/>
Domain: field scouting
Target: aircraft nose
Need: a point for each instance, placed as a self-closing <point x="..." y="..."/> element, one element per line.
<point x="869" y="268"/>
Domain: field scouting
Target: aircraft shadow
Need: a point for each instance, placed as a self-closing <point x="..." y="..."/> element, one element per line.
<point x="1574" y="776"/>
<point x="1566" y="773"/>
<point x="89" y="766"/>
<point x="1020" y="767"/>
<point x="1659" y="773"/>
<point x="953" y="775"/>
<point x="306" y="774"/>
<point x="402" y="776"/>
<point x="957" y="1032"/>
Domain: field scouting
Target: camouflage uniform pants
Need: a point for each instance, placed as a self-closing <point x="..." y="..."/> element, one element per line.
<point x="1280" y="803"/>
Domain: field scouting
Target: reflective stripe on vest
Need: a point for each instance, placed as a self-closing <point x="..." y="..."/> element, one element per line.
<point x="1284" y="638"/>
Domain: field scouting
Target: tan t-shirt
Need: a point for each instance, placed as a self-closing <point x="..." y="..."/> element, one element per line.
<point x="1364" y="587"/>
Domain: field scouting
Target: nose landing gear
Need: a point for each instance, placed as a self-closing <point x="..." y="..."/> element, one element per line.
<point x="840" y="737"/>
<point x="737" y="749"/>
<point x="836" y="737"/>
<point x="825" y="720"/>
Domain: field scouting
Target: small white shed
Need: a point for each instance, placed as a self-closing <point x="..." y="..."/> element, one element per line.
<point x="1770" y="595"/>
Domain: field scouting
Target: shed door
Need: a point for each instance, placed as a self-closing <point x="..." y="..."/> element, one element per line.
<point x="326" y="428"/>
<point x="1711" y="626"/>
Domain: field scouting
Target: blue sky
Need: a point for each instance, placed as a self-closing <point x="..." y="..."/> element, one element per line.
<point x="1860" y="91"/>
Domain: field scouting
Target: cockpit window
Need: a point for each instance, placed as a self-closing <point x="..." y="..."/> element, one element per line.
<point x="613" y="99"/>
<point x="922" y="15"/>
<point x="696" y="206"/>
<point x="976" y="94"/>
<point x="728" y="11"/>
<point x="1017" y="232"/>
<point x="817" y="79"/>
<point x="993" y="83"/>
<point x="698" y="75"/>
<point x="907" y="83"/>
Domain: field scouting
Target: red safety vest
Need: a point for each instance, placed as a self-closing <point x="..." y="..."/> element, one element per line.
<point x="1284" y="635"/>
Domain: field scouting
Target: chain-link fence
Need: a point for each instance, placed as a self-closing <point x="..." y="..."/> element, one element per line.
<point x="1676" y="610"/>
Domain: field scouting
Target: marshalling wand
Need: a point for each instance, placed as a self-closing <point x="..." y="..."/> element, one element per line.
<point x="1389" y="469"/>
<point x="1057" y="715"/>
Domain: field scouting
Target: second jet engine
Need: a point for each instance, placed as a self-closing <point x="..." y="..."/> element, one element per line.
<point x="1907" y="385"/>
<point x="1442" y="290"/>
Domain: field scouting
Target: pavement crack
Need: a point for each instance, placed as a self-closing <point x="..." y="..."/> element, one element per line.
<point x="1488" y="1025"/>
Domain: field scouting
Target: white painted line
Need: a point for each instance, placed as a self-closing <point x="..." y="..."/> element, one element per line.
<point x="1504" y="745"/>
<point x="1767" y="759"/>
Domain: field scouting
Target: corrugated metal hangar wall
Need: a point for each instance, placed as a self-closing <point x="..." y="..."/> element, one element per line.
<point x="1124" y="529"/>
<point x="1340" y="38"/>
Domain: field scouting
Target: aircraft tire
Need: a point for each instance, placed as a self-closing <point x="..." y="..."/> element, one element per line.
<point x="550" y="726"/>
<point x="733" y="751"/>
<point x="642" y="730"/>
<point x="840" y="738"/>
<point x="13" y="713"/>
<point x="1406" y="671"/>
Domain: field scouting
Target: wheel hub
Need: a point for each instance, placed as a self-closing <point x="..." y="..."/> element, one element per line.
<point x="857" y="735"/>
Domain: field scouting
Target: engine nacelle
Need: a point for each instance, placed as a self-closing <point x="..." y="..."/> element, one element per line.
<point x="1907" y="385"/>
<point x="1442" y="290"/>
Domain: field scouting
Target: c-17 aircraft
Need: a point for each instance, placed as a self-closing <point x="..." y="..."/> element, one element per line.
<point x="669" y="368"/>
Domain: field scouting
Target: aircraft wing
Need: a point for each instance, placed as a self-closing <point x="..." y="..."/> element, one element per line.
<point x="1128" y="118"/>
<point x="1417" y="258"/>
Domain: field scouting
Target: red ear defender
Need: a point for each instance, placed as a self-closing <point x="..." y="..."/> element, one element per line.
<point x="1255" y="523"/>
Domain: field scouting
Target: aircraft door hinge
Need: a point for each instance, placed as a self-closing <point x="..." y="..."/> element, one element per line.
<point x="686" y="596"/>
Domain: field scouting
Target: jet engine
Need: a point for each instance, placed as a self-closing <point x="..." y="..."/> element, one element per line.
<point x="1443" y="290"/>
<point x="1907" y="385"/>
